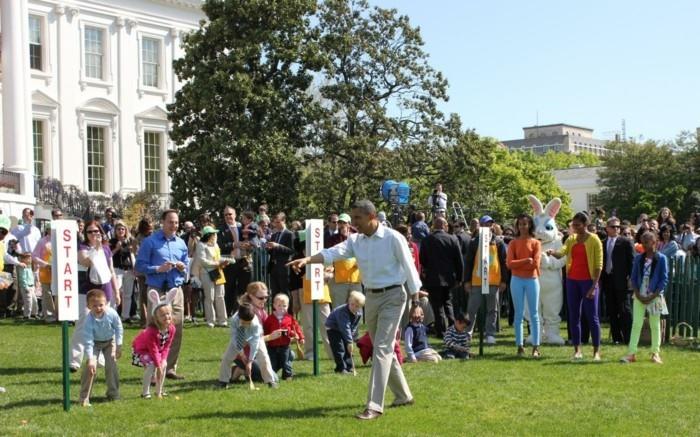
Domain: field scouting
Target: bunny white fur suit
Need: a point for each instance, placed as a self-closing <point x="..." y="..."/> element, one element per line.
<point x="551" y="289"/>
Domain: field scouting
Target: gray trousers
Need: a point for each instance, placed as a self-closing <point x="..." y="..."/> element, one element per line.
<point x="383" y="315"/>
<point x="214" y="304"/>
<point x="262" y="358"/>
<point x="109" y="350"/>
<point x="178" y="305"/>
<point x="475" y="298"/>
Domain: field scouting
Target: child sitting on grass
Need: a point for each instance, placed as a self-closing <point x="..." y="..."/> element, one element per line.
<point x="416" y="339"/>
<point x="457" y="344"/>
<point x="278" y="348"/>
<point x="25" y="278"/>
<point x="245" y="331"/>
<point x="341" y="326"/>
<point x="103" y="332"/>
<point x="152" y="345"/>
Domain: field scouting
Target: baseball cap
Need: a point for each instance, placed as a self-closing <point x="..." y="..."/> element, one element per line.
<point x="344" y="218"/>
<point x="484" y="220"/>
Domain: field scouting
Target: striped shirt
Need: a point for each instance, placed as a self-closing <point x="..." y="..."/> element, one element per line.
<point x="456" y="340"/>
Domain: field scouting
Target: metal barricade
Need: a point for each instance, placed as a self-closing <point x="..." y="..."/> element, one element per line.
<point x="683" y="293"/>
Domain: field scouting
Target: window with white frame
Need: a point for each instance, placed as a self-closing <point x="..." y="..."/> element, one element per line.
<point x="152" y="163"/>
<point x="150" y="62"/>
<point x="36" y="58"/>
<point x="96" y="158"/>
<point x="94" y="52"/>
<point x="38" y="147"/>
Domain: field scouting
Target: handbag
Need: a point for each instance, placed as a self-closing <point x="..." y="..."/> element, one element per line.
<point x="214" y="275"/>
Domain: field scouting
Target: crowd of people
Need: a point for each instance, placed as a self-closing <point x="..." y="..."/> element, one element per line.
<point x="423" y="278"/>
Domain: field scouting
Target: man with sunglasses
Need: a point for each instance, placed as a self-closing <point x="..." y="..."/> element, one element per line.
<point x="618" y="254"/>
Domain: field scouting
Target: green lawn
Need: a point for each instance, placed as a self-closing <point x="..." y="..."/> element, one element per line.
<point x="497" y="394"/>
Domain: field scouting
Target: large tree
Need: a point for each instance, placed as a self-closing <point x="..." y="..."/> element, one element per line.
<point x="643" y="177"/>
<point x="379" y="97"/>
<point x="240" y="118"/>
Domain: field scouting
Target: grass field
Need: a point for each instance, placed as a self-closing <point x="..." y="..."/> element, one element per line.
<point x="497" y="394"/>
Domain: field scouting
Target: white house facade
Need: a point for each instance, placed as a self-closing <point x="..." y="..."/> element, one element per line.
<point x="84" y="88"/>
<point x="582" y="185"/>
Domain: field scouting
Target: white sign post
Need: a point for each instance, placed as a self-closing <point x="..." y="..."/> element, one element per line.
<point x="314" y="273"/>
<point x="314" y="244"/>
<point x="64" y="281"/>
<point x="484" y="240"/>
<point x="64" y="268"/>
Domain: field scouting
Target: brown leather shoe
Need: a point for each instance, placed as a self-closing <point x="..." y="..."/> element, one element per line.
<point x="173" y="375"/>
<point x="403" y="404"/>
<point x="368" y="414"/>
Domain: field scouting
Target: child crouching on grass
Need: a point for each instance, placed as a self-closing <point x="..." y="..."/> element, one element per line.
<point x="152" y="345"/>
<point x="341" y="326"/>
<point x="457" y="344"/>
<point x="416" y="339"/>
<point x="103" y="332"/>
<point x="245" y="331"/>
<point x="278" y="348"/>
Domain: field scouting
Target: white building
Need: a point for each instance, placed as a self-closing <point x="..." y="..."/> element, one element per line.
<point x="84" y="89"/>
<point x="582" y="185"/>
<point x="559" y="137"/>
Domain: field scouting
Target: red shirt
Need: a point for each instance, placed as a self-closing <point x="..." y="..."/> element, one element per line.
<point x="579" y="263"/>
<point x="288" y="323"/>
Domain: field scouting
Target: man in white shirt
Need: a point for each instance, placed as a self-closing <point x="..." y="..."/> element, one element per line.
<point x="385" y="264"/>
<point x="27" y="234"/>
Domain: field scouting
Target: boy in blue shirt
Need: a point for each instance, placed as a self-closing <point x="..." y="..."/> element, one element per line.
<point x="341" y="326"/>
<point x="103" y="332"/>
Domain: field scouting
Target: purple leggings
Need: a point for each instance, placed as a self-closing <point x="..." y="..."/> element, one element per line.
<point x="576" y="298"/>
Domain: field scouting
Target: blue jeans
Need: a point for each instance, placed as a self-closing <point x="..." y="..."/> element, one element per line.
<point x="521" y="289"/>
<point x="280" y="358"/>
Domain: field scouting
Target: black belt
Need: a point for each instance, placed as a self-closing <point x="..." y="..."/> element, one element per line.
<point x="382" y="290"/>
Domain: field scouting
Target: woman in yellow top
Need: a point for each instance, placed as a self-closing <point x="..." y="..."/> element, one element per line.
<point x="583" y="267"/>
<point x="208" y="265"/>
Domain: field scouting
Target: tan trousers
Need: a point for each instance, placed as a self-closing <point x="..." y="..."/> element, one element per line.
<point x="382" y="314"/>
<point x="307" y="326"/>
<point x="178" y="305"/>
<point x="341" y="291"/>
<point x="47" y="304"/>
<point x="109" y="350"/>
<point x="214" y="304"/>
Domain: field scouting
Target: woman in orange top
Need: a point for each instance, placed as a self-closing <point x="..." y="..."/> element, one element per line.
<point x="523" y="260"/>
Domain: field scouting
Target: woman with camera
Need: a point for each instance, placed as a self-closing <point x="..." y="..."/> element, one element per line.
<point x="208" y="265"/>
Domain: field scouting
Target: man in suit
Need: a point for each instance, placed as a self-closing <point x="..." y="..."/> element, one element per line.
<point x="459" y="296"/>
<point x="280" y="248"/>
<point x="618" y="253"/>
<point x="330" y="230"/>
<point x="229" y="241"/>
<point x="442" y="269"/>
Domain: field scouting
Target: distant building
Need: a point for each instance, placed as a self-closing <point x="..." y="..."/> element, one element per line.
<point x="582" y="185"/>
<point x="559" y="138"/>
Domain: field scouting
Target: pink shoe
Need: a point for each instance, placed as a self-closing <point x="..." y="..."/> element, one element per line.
<point x="631" y="358"/>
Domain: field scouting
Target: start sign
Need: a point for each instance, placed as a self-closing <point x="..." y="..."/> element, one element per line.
<point x="64" y="267"/>
<point x="314" y="244"/>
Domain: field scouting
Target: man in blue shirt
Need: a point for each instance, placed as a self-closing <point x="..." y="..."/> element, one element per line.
<point x="163" y="259"/>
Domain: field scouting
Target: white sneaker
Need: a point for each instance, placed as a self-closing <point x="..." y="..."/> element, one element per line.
<point x="490" y="339"/>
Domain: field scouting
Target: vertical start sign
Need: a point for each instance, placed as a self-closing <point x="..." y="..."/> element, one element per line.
<point x="314" y="244"/>
<point x="64" y="267"/>
<point x="484" y="241"/>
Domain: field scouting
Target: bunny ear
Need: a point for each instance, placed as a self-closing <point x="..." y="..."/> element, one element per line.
<point x="154" y="297"/>
<point x="553" y="207"/>
<point x="170" y="296"/>
<point x="536" y="204"/>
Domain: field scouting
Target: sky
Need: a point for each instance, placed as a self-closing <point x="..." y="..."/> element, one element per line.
<point x="590" y="63"/>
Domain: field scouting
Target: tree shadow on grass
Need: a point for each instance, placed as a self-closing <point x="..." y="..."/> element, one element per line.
<point x="293" y="414"/>
<point x="32" y="403"/>
<point x="9" y="371"/>
<point x="568" y="362"/>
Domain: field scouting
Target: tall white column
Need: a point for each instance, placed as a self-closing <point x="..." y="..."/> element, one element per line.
<point x="15" y="85"/>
